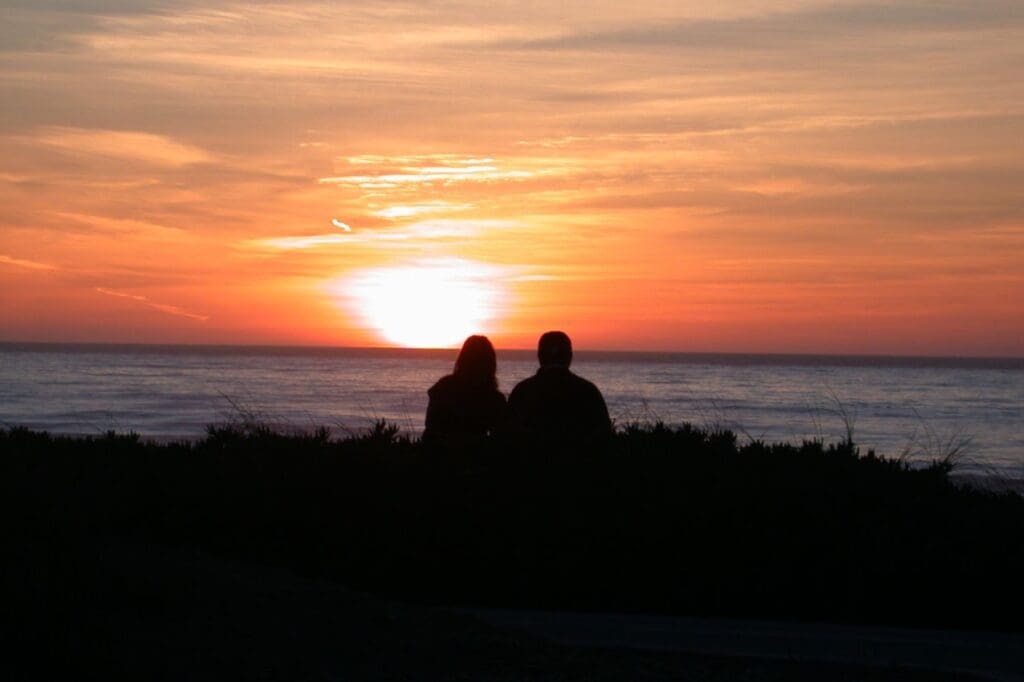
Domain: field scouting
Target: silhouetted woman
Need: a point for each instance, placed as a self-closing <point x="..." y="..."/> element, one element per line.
<point x="466" y="405"/>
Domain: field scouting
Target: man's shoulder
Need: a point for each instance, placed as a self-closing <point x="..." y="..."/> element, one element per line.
<point x="584" y="384"/>
<point x="523" y="386"/>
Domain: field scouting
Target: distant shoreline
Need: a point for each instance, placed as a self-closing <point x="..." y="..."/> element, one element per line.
<point x="695" y="358"/>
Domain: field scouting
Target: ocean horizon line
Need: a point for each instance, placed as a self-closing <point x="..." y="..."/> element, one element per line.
<point x="586" y="354"/>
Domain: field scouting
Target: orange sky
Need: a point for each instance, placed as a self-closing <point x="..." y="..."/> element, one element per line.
<point x="794" y="176"/>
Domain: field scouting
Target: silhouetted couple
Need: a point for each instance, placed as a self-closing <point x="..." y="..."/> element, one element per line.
<point x="554" y="407"/>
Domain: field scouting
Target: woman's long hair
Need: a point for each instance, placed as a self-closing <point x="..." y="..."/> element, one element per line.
<point x="477" y="363"/>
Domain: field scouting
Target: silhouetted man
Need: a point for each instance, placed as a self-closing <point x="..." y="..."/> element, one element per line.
<point x="555" y="406"/>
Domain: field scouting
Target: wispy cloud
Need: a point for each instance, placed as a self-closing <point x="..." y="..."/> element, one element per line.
<point x="392" y="172"/>
<point x="148" y="148"/>
<point x="300" y="242"/>
<point x="23" y="263"/>
<point x="162" y="307"/>
<point x="408" y="211"/>
<point x="119" y="226"/>
<point x="781" y="29"/>
<point x="420" y="232"/>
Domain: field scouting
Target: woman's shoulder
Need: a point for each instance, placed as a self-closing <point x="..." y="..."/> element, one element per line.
<point x="496" y="396"/>
<point x="450" y="385"/>
<point x="446" y="384"/>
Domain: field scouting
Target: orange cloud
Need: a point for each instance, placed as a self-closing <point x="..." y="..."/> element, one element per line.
<point x="119" y="144"/>
<point x="162" y="307"/>
<point x="23" y="263"/>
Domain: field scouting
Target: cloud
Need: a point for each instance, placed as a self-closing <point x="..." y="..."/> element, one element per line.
<point x="300" y="242"/>
<point x="22" y="263"/>
<point x="47" y="25"/>
<point x="157" y="150"/>
<point x="116" y="226"/>
<point x="783" y="29"/>
<point x="89" y="7"/>
<point x="424" y="230"/>
<point x="162" y="307"/>
<point x="426" y="175"/>
<point x="409" y="211"/>
<point x="384" y="172"/>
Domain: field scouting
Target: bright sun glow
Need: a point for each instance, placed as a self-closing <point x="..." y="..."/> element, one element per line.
<point x="427" y="305"/>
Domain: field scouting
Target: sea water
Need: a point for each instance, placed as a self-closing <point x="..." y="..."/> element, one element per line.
<point x="918" y="407"/>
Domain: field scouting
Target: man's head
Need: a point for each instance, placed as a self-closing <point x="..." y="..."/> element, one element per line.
<point x="554" y="348"/>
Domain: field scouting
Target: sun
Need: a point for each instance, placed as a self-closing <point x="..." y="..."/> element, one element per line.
<point x="434" y="304"/>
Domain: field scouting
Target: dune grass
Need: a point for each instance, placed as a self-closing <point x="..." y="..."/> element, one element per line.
<point x="679" y="520"/>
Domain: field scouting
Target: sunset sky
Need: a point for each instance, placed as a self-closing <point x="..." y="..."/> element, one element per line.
<point x="792" y="176"/>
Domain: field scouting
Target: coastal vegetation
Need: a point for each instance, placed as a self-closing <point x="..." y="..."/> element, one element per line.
<point x="680" y="520"/>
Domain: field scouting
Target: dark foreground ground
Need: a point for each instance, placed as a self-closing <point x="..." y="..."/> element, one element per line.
<point x="225" y="559"/>
<point x="153" y="613"/>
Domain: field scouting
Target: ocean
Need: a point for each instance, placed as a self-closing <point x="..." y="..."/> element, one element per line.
<point x="918" y="407"/>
